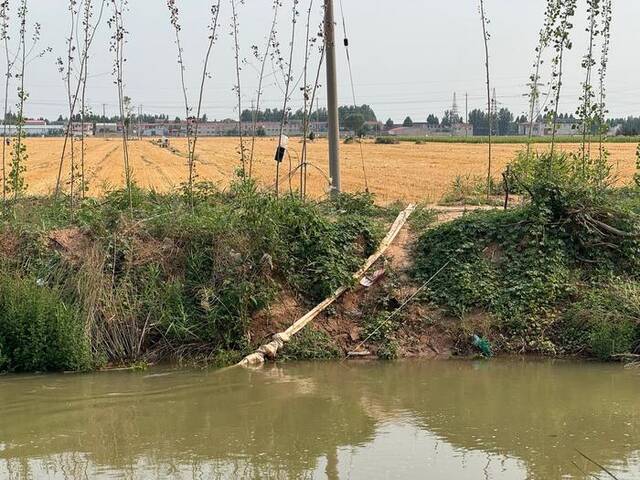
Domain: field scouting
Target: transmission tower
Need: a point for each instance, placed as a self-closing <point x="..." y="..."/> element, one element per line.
<point x="535" y="109"/>
<point x="454" y="109"/>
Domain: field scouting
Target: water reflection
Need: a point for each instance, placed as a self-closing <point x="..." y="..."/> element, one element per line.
<point x="462" y="420"/>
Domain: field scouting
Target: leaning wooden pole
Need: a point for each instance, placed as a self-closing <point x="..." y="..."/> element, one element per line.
<point x="270" y="350"/>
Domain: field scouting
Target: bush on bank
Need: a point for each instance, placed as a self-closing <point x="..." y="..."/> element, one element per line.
<point x="38" y="330"/>
<point x="558" y="275"/>
<point x="165" y="280"/>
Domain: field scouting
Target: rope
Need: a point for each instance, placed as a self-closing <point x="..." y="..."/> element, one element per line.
<point x="399" y="309"/>
<point x="353" y="90"/>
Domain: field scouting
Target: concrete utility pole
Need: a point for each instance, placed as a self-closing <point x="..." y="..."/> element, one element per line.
<point x="104" y="119"/>
<point x="332" y="98"/>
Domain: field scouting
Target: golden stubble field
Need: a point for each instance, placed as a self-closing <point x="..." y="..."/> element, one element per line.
<point x="395" y="172"/>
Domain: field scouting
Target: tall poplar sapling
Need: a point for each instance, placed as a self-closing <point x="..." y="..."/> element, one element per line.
<point x="117" y="44"/>
<point x="601" y="111"/>
<point x="551" y="13"/>
<point x="19" y="155"/>
<point x="287" y="86"/>
<point x="561" y="39"/>
<point x="486" y="36"/>
<point x="235" y="33"/>
<point x="78" y="92"/>
<point x="271" y="41"/>
<point x="588" y="108"/>
<point x="192" y="123"/>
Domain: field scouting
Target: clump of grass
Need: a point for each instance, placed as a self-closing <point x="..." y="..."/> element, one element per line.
<point x="472" y="190"/>
<point x="387" y="141"/>
<point x="423" y="217"/>
<point x="311" y="344"/>
<point x="382" y="323"/>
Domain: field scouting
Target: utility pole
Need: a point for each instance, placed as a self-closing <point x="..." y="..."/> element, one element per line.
<point x="104" y="120"/>
<point x="332" y="98"/>
<point x="466" y="108"/>
<point x="466" y="114"/>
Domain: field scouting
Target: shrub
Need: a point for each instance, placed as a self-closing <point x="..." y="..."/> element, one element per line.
<point x="387" y="141"/>
<point x="38" y="331"/>
<point x="604" y="319"/>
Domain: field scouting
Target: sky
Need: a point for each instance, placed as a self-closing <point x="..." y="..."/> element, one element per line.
<point x="408" y="56"/>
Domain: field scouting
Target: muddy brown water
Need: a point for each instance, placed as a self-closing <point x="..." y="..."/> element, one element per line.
<point x="504" y="419"/>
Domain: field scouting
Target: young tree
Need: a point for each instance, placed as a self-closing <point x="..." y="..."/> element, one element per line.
<point x="118" y="40"/>
<point x="79" y="91"/>
<point x="235" y="32"/>
<point x="407" y="122"/>
<point x="271" y="41"/>
<point x="561" y="43"/>
<point x="551" y="14"/>
<point x="10" y="62"/>
<point x="19" y="154"/>
<point x="192" y="123"/>
<point x="486" y="37"/>
<point x="601" y="110"/>
<point x="287" y="81"/>
<point x="306" y="92"/>
<point x="66" y="70"/>
<point x="89" y="33"/>
<point x="587" y="108"/>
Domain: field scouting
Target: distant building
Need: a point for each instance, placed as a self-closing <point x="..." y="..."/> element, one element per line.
<point x="544" y="129"/>
<point x="78" y="127"/>
<point x="227" y="128"/>
<point x="428" y="130"/>
<point x="107" y="129"/>
<point x="34" y="130"/>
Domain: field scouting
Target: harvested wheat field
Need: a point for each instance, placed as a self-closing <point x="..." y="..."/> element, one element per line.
<point x="395" y="172"/>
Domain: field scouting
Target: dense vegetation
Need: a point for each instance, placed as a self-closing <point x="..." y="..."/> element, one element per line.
<point x="558" y="275"/>
<point x="107" y="284"/>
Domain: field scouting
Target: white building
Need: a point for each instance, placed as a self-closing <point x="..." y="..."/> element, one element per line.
<point x="33" y="130"/>
<point x="543" y="129"/>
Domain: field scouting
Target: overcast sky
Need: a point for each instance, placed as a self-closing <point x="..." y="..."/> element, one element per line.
<point x="408" y="56"/>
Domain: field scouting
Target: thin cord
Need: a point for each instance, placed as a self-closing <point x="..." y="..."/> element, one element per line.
<point x="395" y="312"/>
<point x="353" y="90"/>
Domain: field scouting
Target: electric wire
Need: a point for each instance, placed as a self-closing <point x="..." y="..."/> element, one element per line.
<point x="353" y="91"/>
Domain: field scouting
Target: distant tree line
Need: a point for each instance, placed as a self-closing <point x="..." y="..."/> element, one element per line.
<point x="629" y="127"/>
<point x="351" y="117"/>
<point x="504" y="122"/>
